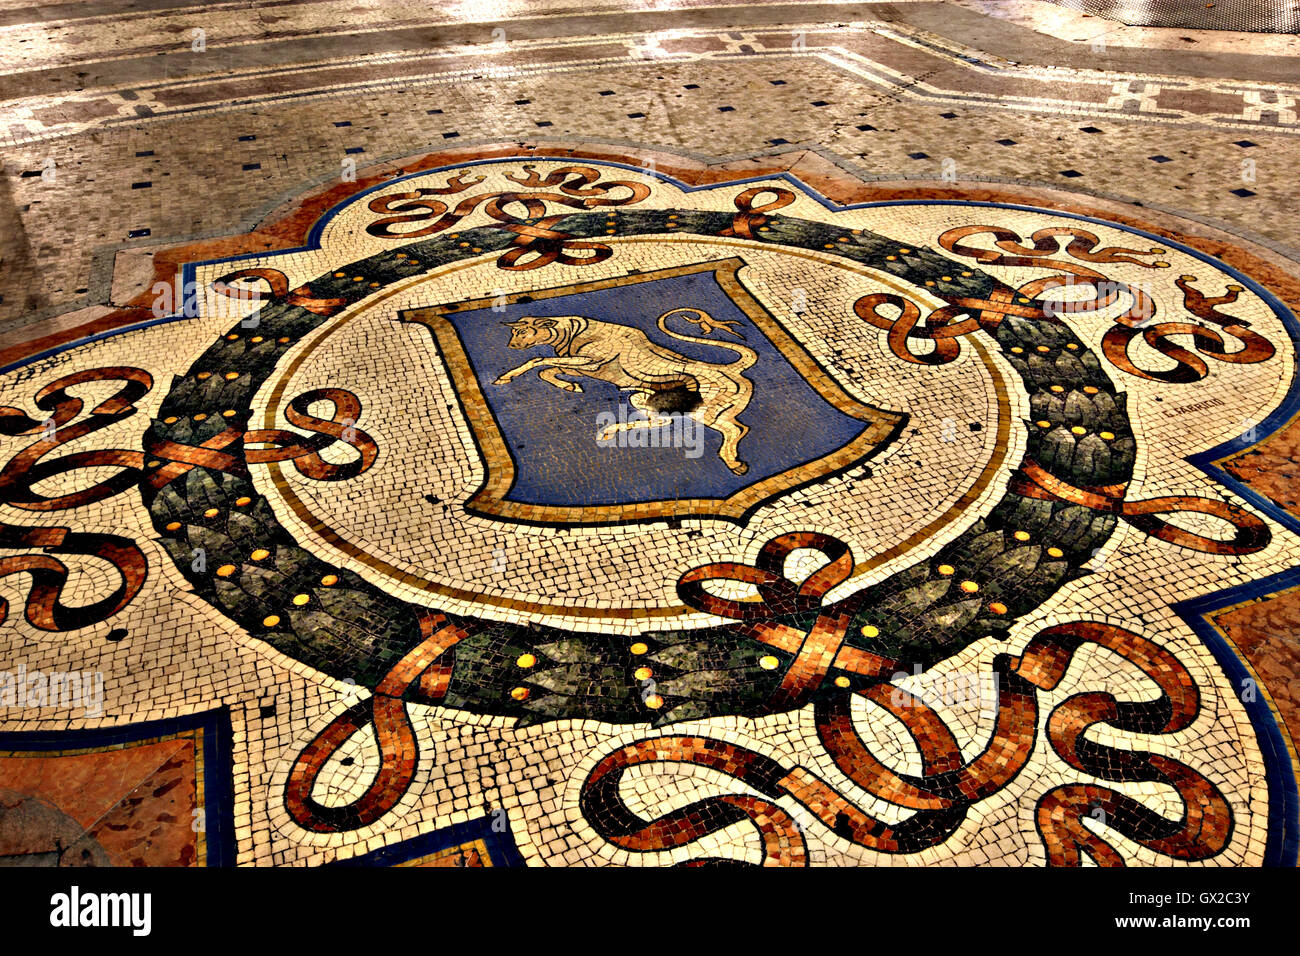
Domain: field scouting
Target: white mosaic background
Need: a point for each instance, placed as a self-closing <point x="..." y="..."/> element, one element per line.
<point x="182" y="657"/>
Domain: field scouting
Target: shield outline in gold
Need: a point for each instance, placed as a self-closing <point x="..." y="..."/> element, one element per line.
<point x="490" y="501"/>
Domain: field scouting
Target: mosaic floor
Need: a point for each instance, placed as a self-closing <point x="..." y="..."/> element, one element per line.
<point x="1264" y="16"/>
<point x="824" y="489"/>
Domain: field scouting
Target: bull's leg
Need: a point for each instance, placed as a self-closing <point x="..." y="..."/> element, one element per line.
<point x="721" y="417"/>
<point x="556" y="363"/>
<point x="518" y="370"/>
<point x="551" y="377"/>
<point x="732" y="432"/>
<point x="641" y="402"/>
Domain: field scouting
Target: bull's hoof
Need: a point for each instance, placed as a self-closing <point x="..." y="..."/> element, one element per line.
<point x="570" y="386"/>
<point x="502" y="380"/>
<point x="739" y="467"/>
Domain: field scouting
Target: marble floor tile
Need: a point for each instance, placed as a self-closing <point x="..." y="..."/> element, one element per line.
<point x="578" y="435"/>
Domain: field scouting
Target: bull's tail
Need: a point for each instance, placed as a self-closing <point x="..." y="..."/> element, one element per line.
<point x="745" y="356"/>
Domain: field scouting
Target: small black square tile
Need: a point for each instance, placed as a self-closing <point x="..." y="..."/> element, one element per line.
<point x="343" y="123"/>
<point x="1243" y="193"/>
<point x="867" y="128"/>
<point x="918" y="155"/>
<point x="144" y="185"/>
<point x="353" y="150"/>
<point x="1006" y="142"/>
<point x="1160" y="159"/>
<point x="726" y="109"/>
<point x="1245" y="143"/>
<point x="1071" y="173"/>
<point x="1089" y="129"/>
<point x="450" y="135"/>
<point x="252" y="166"/>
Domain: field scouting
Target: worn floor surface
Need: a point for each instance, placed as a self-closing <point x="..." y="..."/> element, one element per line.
<point x="620" y="433"/>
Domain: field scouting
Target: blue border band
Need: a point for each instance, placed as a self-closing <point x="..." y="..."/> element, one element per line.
<point x="500" y="845"/>
<point x="1283" y="846"/>
<point x="218" y="750"/>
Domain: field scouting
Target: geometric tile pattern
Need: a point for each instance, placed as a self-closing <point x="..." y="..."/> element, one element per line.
<point x="900" y="59"/>
<point x="987" y="635"/>
<point x="157" y="793"/>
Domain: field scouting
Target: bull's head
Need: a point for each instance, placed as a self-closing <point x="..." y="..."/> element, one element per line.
<point x="531" y="330"/>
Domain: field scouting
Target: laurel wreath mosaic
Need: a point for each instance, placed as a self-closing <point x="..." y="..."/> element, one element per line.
<point x="554" y="510"/>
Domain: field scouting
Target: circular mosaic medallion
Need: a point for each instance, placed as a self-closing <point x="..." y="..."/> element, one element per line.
<point x="772" y="373"/>
<point x="874" y="512"/>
